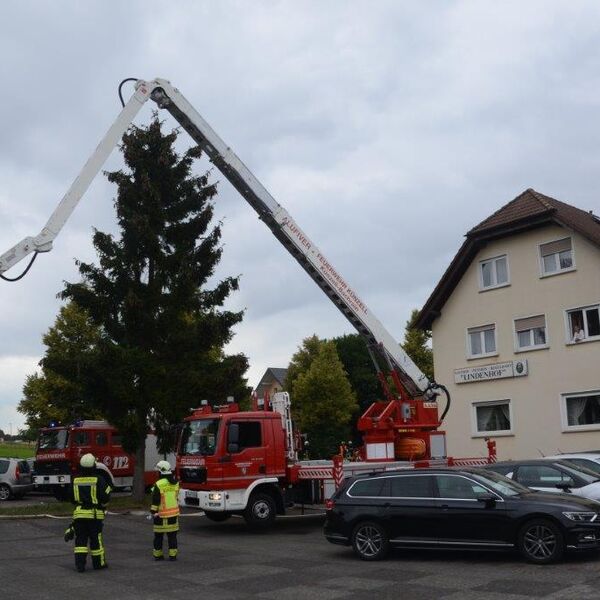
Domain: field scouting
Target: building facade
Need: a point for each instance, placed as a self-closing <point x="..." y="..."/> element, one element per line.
<point x="515" y="326"/>
<point x="271" y="382"/>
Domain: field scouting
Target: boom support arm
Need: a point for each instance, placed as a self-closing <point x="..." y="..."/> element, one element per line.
<point x="279" y="221"/>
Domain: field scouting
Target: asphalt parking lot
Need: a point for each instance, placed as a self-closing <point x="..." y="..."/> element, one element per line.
<point x="292" y="561"/>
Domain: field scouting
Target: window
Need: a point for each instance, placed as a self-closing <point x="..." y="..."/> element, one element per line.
<point x="583" y="323"/>
<point x="81" y="438"/>
<point x="492" y="417"/>
<point x="101" y="438"/>
<point x="556" y="256"/>
<point x="531" y="332"/>
<point x="482" y="341"/>
<point x="459" y="488"/>
<point x="116" y="439"/>
<point x="368" y="488"/>
<point x="3" y="466"/>
<point x="582" y="410"/>
<point x="200" y="437"/>
<point x="250" y="434"/>
<point x="542" y="476"/>
<point x="493" y="272"/>
<point x="414" y="486"/>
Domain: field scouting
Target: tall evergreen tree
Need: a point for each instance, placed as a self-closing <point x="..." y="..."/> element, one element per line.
<point x="163" y="328"/>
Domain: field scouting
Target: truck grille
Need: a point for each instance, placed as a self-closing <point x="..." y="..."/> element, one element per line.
<point x="58" y="467"/>
<point x="193" y="474"/>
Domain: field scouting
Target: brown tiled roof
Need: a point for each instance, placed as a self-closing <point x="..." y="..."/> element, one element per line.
<point x="527" y="211"/>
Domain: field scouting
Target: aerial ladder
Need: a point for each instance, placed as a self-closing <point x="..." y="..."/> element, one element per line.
<point x="406" y="424"/>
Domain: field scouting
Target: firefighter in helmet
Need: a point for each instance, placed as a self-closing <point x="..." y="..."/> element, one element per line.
<point x="90" y="494"/>
<point x="165" y="510"/>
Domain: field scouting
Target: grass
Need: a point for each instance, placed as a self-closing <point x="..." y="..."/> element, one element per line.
<point x="16" y="450"/>
<point x="62" y="509"/>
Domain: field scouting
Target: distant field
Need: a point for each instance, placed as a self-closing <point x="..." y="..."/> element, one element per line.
<point x="16" y="450"/>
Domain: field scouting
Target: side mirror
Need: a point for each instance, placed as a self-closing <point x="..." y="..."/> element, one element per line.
<point x="488" y="499"/>
<point x="566" y="486"/>
<point x="233" y="438"/>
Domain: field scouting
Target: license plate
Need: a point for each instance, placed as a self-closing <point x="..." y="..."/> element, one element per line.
<point x="190" y="494"/>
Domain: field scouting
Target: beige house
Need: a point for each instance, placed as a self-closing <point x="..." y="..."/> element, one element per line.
<point x="515" y="325"/>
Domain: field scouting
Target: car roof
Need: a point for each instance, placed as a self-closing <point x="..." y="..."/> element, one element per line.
<point x="516" y="463"/>
<point x="589" y="455"/>
<point x="412" y="471"/>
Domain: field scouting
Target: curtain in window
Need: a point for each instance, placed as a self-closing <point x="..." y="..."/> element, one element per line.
<point x="575" y="408"/>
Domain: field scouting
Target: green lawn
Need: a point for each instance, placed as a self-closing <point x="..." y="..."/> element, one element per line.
<point x="17" y="449"/>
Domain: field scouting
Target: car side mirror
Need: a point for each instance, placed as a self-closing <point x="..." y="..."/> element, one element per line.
<point x="488" y="499"/>
<point x="565" y="486"/>
<point x="233" y="438"/>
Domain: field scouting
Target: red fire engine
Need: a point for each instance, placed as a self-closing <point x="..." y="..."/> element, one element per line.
<point x="59" y="449"/>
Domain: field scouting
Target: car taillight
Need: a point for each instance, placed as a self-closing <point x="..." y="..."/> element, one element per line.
<point x="17" y="472"/>
<point x="330" y="504"/>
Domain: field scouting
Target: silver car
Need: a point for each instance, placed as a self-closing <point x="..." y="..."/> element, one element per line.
<point x="15" y="478"/>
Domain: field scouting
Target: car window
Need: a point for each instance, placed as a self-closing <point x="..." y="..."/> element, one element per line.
<point x="500" y="484"/>
<point x="24" y="466"/>
<point x="592" y="465"/>
<point x="3" y="466"/>
<point x="582" y="472"/>
<point x="542" y="476"/>
<point x="502" y="469"/>
<point x="458" y="487"/>
<point x="367" y="487"/>
<point x="413" y="486"/>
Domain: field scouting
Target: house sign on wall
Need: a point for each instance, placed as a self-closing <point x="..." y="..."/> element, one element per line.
<point x="512" y="368"/>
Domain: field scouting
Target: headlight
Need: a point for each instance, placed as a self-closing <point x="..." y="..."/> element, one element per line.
<point x="215" y="496"/>
<point x="588" y="517"/>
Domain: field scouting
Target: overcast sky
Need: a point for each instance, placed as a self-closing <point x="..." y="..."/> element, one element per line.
<point x="386" y="128"/>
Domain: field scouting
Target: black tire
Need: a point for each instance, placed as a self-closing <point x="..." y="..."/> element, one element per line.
<point x="370" y="541"/>
<point x="260" y="512"/>
<point x="217" y="517"/>
<point x="61" y="494"/>
<point x="5" y="493"/>
<point x="541" y="541"/>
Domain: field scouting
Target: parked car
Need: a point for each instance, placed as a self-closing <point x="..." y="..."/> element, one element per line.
<point x="549" y="475"/>
<point x="457" y="508"/>
<point x="15" y="478"/>
<point x="589" y="460"/>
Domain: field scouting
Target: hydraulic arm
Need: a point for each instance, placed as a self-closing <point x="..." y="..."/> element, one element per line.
<point x="279" y="221"/>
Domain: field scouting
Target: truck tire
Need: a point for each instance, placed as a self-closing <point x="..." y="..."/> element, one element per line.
<point x="61" y="494"/>
<point x="217" y="517"/>
<point x="260" y="512"/>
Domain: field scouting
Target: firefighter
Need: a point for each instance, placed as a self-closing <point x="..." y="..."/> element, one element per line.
<point x="90" y="494"/>
<point x="165" y="510"/>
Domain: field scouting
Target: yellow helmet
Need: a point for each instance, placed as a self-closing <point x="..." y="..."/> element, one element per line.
<point x="88" y="461"/>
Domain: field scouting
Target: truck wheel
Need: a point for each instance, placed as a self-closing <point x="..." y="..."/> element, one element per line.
<point x="61" y="494"/>
<point x="217" y="517"/>
<point x="4" y="492"/>
<point x="260" y="512"/>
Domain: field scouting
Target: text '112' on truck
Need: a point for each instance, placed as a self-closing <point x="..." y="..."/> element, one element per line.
<point x="233" y="474"/>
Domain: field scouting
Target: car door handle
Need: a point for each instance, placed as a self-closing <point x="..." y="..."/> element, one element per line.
<point x="445" y="506"/>
<point x="387" y="505"/>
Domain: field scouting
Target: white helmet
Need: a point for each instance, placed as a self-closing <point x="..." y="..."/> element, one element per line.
<point x="163" y="467"/>
<point x="88" y="461"/>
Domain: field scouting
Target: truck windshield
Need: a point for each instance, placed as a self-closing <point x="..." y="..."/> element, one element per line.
<point x="200" y="437"/>
<point x="53" y="439"/>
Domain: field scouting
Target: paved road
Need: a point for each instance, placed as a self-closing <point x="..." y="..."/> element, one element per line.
<point x="293" y="561"/>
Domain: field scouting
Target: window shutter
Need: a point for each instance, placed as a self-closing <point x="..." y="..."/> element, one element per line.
<point x="554" y="247"/>
<point x="480" y="329"/>
<point x="530" y="323"/>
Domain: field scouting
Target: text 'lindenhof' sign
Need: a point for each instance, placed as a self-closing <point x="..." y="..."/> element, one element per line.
<point x="512" y="368"/>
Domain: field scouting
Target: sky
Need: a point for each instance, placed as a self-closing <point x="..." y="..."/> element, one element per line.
<point x="387" y="129"/>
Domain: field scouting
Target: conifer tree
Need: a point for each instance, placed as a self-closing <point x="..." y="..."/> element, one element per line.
<point x="163" y="329"/>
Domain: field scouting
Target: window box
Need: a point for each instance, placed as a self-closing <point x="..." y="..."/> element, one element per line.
<point x="493" y="273"/>
<point x="492" y="418"/>
<point x="583" y="324"/>
<point x="556" y="257"/>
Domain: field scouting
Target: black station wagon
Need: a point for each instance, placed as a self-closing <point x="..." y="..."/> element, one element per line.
<point x="451" y="508"/>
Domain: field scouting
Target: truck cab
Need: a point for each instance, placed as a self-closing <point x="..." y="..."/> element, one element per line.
<point x="228" y="459"/>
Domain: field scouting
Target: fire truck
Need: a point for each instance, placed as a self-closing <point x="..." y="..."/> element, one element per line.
<point x="60" y="447"/>
<point x="222" y="467"/>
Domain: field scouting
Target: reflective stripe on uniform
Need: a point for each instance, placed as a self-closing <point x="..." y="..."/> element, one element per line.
<point x="81" y="549"/>
<point x="165" y="527"/>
